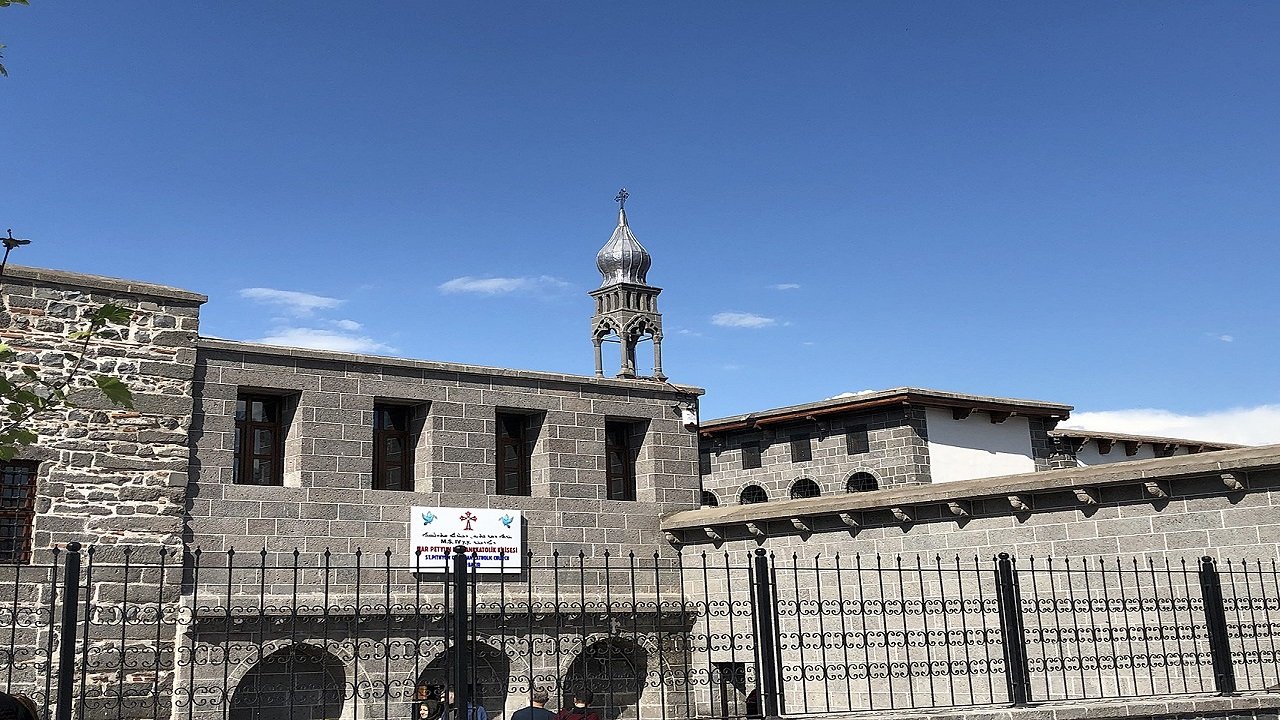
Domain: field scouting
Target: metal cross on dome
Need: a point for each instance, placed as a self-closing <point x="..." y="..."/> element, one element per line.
<point x="621" y="198"/>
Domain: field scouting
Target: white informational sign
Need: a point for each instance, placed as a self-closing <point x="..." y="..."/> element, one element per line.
<point x="494" y="536"/>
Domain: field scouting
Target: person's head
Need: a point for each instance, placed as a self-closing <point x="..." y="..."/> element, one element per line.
<point x="583" y="697"/>
<point x="424" y="712"/>
<point x="540" y="696"/>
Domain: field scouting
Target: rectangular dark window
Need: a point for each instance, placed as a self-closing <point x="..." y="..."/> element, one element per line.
<point x="392" y="448"/>
<point x="856" y="440"/>
<point x="750" y="455"/>
<point x="259" y="440"/>
<point x="704" y="463"/>
<point x="620" y="461"/>
<point x="515" y="450"/>
<point x="801" y="449"/>
<point x="17" y="510"/>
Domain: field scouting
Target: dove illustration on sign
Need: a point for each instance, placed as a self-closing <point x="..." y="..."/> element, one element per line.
<point x="428" y="518"/>
<point x="506" y="521"/>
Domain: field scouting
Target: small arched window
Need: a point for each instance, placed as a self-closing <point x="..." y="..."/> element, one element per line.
<point x="861" y="482"/>
<point x="752" y="494"/>
<point x="709" y="499"/>
<point x="805" y="488"/>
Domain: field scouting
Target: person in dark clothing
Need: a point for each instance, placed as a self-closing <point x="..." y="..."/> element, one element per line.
<point x="581" y="709"/>
<point x="538" y="709"/>
<point x="474" y="711"/>
<point x="430" y="705"/>
<point x="17" y="707"/>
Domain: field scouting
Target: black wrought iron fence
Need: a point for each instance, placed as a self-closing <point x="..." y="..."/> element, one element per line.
<point x="105" y="633"/>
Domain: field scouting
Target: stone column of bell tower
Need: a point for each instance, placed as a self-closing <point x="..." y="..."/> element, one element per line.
<point x="626" y="304"/>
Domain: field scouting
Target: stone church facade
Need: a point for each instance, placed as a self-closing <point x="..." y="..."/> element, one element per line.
<point x="252" y="509"/>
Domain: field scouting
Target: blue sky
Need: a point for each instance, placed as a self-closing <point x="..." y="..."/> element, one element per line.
<point x="1075" y="202"/>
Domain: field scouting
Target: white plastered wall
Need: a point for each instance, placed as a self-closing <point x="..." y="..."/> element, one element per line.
<point x="1088" y="454"/>
<point x="975" y="447"/>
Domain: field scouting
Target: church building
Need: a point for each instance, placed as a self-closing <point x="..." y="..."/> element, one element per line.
<point x="269" y="532"/>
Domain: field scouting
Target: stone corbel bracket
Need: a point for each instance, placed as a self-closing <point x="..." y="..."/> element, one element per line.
<point x="799" y="524"/>
<point x="711" y="533"/>
<point x="853" y="521"/>
<point x="903" y="514"/>
<point x="1156" y="488"/>
<point x="1088" y="496"/>
<point x="1233" y="481"/>
<point x="672" y="538"/>
<point x="755" y="529"/>
<point x="959" y="508"/>
<point x="1019" y="503"/>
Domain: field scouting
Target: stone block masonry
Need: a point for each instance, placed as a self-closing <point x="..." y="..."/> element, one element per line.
<point x="107" y="476"/>
<point x="111" y="478"/>
<point x="327" y="499"/>
<point x="897" y="454"/>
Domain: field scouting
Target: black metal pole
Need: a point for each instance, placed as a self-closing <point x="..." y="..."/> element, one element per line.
<point x="67" y="633"/>
<point x="1215" y="621"/>
<point x="461" y="656"/>
<point x="1017" y="673"/>
<point x="766" y="635"/>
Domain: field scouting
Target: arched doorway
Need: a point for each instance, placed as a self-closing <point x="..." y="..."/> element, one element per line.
<point x="614" y="670"/>
<point x="491" y="676"/>
<point x="298" y="682"/>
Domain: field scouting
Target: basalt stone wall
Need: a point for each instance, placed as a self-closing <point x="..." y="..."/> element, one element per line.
<point x="111" y="478"/>
<point x="1105" y="552"/>
<point x="327" y="500"/>
<point x="897" y="454"/>
<point x="108" y="476"/>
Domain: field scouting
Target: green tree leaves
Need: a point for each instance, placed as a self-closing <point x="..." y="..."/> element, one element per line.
<point x="25" y="392"/>
<point x="7" y="3"/>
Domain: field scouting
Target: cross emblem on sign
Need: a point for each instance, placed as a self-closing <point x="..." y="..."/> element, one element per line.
<point x="468" y="518"/>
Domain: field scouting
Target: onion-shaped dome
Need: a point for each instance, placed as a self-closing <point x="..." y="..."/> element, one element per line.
<point x="623" y="259"/>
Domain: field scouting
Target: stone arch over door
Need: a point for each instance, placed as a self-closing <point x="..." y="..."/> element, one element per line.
<point x="491" y="670"/>
<point x="296" y="682"/>
<point x="615" y="670"/>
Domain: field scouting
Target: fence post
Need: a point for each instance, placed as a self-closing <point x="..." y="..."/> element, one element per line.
<point x="461" y="662"/>
<point x="766" y="636"/>
<point x="1017" y="674"/>
<point x="1215" y="620"/>
<point x="67" y="633"/>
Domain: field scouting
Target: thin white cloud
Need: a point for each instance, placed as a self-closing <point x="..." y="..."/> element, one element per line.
<point x="348" y="325"/>
<point x="742" y="320"/>
<point x="850" y="394"/>
<point x="1259" y="425"/>
<point x="1227" y="338"/>
<point x="687" y="331"/>
<point x="500" y="285"/>
<point x="785" y="286"/>
<point x="291" y="301"/>
<point x="321" y="339"/>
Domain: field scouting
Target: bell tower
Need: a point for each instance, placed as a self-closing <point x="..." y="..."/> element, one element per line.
<point x="626" y="304"/>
